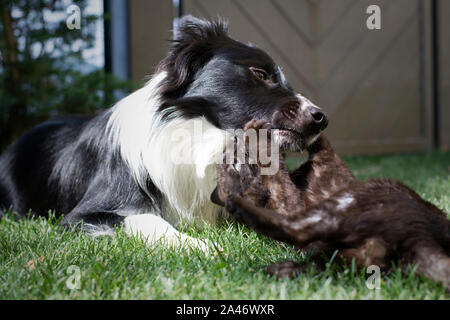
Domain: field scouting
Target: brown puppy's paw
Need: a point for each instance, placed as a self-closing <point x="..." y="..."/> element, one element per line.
<point x="252" y="187"/>
<point x="239" y="177"/>
<point x="242" y="182"/>
<point x="257" y="124"/>
<point x="285" y="269"/>
<point x="228" y="184"/>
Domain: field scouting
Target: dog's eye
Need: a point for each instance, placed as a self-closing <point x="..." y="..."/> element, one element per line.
<point x="260" y="74"/>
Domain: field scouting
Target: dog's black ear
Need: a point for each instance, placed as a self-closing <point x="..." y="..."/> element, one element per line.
<point x="194" y="29"/>
<point x="190" y="50"/>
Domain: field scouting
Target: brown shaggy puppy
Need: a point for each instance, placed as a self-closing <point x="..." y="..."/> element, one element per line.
<point x="321" y="206"/>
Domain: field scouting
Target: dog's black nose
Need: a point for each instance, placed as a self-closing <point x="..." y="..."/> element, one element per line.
<point x="319" y="117"/>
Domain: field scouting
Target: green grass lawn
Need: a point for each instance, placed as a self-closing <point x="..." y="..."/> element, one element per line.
<point x="36" y="256"/>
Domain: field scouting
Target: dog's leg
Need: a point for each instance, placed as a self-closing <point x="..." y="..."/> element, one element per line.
<point x="150" y="227"/>
<point x="276" y="191"/>
<point x="318" y="253"/>
<point x="286" y="269"/>
<point x="304" y="231"/>
<point x="323" y="174"/>
<point x="373" y="251"/>
<point x="155" y="229"/>
<point x="433" y="263"/>
<point x="284" y="197"/>
<point x="299" y="230"/>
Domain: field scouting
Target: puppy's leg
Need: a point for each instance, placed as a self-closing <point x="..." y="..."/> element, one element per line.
<point x="283" y="194"/>
<point x="372" y="252"/>
<point x="154" y="229"/>
<point x="244" y="183"/>
<point x="286" y="269"/>
<point x="276" y="191"/>
<point x="299" y="230"/>
<point x="323" y="174"/>
<point x="318" y="253"/>
<point x="433" y="263"/>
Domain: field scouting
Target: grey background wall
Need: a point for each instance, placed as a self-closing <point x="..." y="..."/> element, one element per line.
<point x="444" y="67"/>
<point x="150" y="32"/>
<point x="376" y="85"/>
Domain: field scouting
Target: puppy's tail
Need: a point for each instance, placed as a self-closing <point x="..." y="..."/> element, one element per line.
<point x="434" y="263"/>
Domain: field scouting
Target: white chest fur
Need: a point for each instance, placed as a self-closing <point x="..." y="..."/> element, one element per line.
<point x="178" y="154"/>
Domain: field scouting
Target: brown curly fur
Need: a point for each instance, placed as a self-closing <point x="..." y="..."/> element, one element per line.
<point x="321" y="207"/>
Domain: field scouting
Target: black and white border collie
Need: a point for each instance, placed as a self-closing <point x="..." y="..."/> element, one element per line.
<point x="116" y="168"/>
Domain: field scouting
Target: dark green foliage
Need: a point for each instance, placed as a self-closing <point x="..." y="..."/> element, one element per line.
<point x="42" y="72"/>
